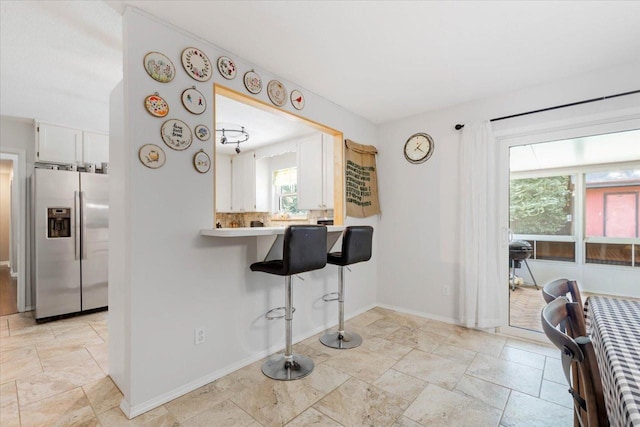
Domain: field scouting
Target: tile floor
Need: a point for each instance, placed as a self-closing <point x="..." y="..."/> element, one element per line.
<point x="409" y="372"/>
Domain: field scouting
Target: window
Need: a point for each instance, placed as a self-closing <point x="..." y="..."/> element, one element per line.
<point x="285" y="187"/>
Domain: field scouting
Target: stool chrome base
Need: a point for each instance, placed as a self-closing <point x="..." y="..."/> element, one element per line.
<point x="276" y="367"/>
<point x="341" y="341"/>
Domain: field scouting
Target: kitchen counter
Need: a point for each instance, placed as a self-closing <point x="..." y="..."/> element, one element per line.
<point x="267" y="248"/>
<point x="256" y="231"/>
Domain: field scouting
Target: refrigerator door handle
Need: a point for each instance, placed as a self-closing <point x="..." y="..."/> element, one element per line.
<point x="76" y="225"/>
<point x="83" y="231"/>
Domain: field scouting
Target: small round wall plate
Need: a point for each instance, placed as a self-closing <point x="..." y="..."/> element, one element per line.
<point x="176" y="134"/>
<point x="277" y="93"/>
<point x="152" y="156"/>
<point x="227" y="67"/>
<point x="202" y="132"/>
<point x="202" y="162"/>
<point x="194" y="101"/>
<point x="297" y="100"/>
<point x="253" y="82"/>
<point x="196" y="64"/>
<point x="156" y="105"/>
<point x="159" y="67"/>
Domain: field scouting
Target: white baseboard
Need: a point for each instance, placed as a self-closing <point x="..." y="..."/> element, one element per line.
<point x="421" y="314"/>
<point x="13" y="275"/>
<point x="132" y="411"/>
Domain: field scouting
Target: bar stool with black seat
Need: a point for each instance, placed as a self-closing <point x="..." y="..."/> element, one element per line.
<point x="304" y="249"/>
<point x="356" y="247"/>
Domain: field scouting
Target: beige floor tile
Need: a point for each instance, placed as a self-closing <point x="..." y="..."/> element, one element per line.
<point x="158" y="417"/>
<point x="365" y="318"/>
<point x="316" y="352"/>
<point x="103" y="395"/>
<point x="312" y="417"/>
<point x="101" y="327"/>
<point x="458" y="354"/>
<point x="522" y="357"/>
<point x="481" y="342"/>
<point x="20" y="321"/>
<point x="543" y="349"/>
<point x="400" y="384"/>
<point x="441" y="328"/>
<point x="100" y="353"/>
<point x="361" y="363"/>
<point x="66" y="344"/>
<point x="270" y="402"/>
<point x="61" y="327"/>
<point x="325" y="378"/>
<point x="10" y="371"/>
<point x="17" y="354"/>
<point x="433" y="369"/>
<point x="556" y="393"/>
<point x="385" y="347"/>
<point x="507" y="374"/>
<point x="406" y="422"/>
<point x="78" y="367"/>
<point x="436" y="406"/>
<point x="416" y="338"/>
<point x="356" y="403"/>
<point x="34" y="336"/>
<point x="224" y="414"/>
<point x="71" y="408"/>
<point x="381" y="328"/>
<point x="196" y="401"/>
<point x="4" y="324"/>
<point x="484" y="391"/>
<point x="41" y="386"/>
<point x="406" y="320"/>
<point x="9" y="412"/>
<point x="553" y="371"/>
<point x="525" y="411"/>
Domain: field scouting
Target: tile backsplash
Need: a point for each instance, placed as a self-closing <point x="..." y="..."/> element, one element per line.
<point x="243" y="219"/>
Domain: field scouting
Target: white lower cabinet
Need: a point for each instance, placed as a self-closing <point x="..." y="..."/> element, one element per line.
<point x="315" y="172"/>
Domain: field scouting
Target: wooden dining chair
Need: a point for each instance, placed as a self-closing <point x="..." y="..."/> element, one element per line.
<point x="577" y="352"/>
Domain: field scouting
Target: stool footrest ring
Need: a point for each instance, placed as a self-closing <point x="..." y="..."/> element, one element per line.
<point x="332" y="296"/>
<point x="269" y="314"/>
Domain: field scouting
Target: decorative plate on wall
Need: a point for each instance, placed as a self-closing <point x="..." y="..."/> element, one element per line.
<point x="297" y="100"/>
<point x="194" y="101"/>
<point x="152" y="156"/>
<point x="156" y="105"/>
<point x="277" y="93"/>
<point x="202" y="161"/>
<point x="196" y="64"/>
<point x="253" y="82"/>
<point x="202" y="132"/>
<point x="176" y="134"/>
<point x="227" y="67"/>
<point x="159" y="67"/>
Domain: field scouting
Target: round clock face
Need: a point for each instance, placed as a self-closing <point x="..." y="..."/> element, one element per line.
<point x="418" y="148"/>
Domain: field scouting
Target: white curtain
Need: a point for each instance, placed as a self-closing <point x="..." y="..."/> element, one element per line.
<point x="482" y="291"/>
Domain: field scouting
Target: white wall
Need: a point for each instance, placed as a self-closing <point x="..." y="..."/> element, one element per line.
<point x="5" y="215"/>
<point x="170" y="279"/>
<point x="418" y="230"/>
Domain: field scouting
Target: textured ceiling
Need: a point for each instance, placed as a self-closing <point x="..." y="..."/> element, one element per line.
<point x="382" y="60"/>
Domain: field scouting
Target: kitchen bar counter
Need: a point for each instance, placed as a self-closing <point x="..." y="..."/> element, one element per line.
<point x="255" y="231"/>
<point x="268" y="248"/>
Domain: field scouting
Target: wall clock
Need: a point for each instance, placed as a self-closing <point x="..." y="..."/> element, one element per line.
<point x="418" y="148"/>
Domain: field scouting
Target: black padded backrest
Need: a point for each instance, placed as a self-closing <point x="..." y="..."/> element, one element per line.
<point x="305" y="248"/>
<point x="356" y="246"/>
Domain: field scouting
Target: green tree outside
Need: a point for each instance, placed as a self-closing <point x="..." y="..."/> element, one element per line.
<point x="541" y="205"/>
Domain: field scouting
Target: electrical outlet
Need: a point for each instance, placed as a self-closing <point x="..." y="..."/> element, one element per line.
<point x="445" y="291"/>
<point x="199" y="335"/>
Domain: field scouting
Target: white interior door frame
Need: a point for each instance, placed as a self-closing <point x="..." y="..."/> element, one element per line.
<point x="18" y="156"/>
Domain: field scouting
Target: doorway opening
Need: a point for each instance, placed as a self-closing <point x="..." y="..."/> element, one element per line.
<point x="574" y="202"/>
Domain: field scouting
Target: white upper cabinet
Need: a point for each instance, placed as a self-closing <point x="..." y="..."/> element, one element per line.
<point x="223" y="183"/>
<point x="95" y="148"/>
<point x="315" y="172"/>
<point x="243" y="182"/>
<point x="58" y="144"/>
<point x="61" y="144"/>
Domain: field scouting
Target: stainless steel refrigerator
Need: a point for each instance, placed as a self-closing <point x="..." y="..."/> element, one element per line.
<point x="71" y="237"/>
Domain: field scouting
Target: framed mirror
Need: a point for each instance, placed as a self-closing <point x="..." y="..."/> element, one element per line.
<point x="273" y="164"/>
